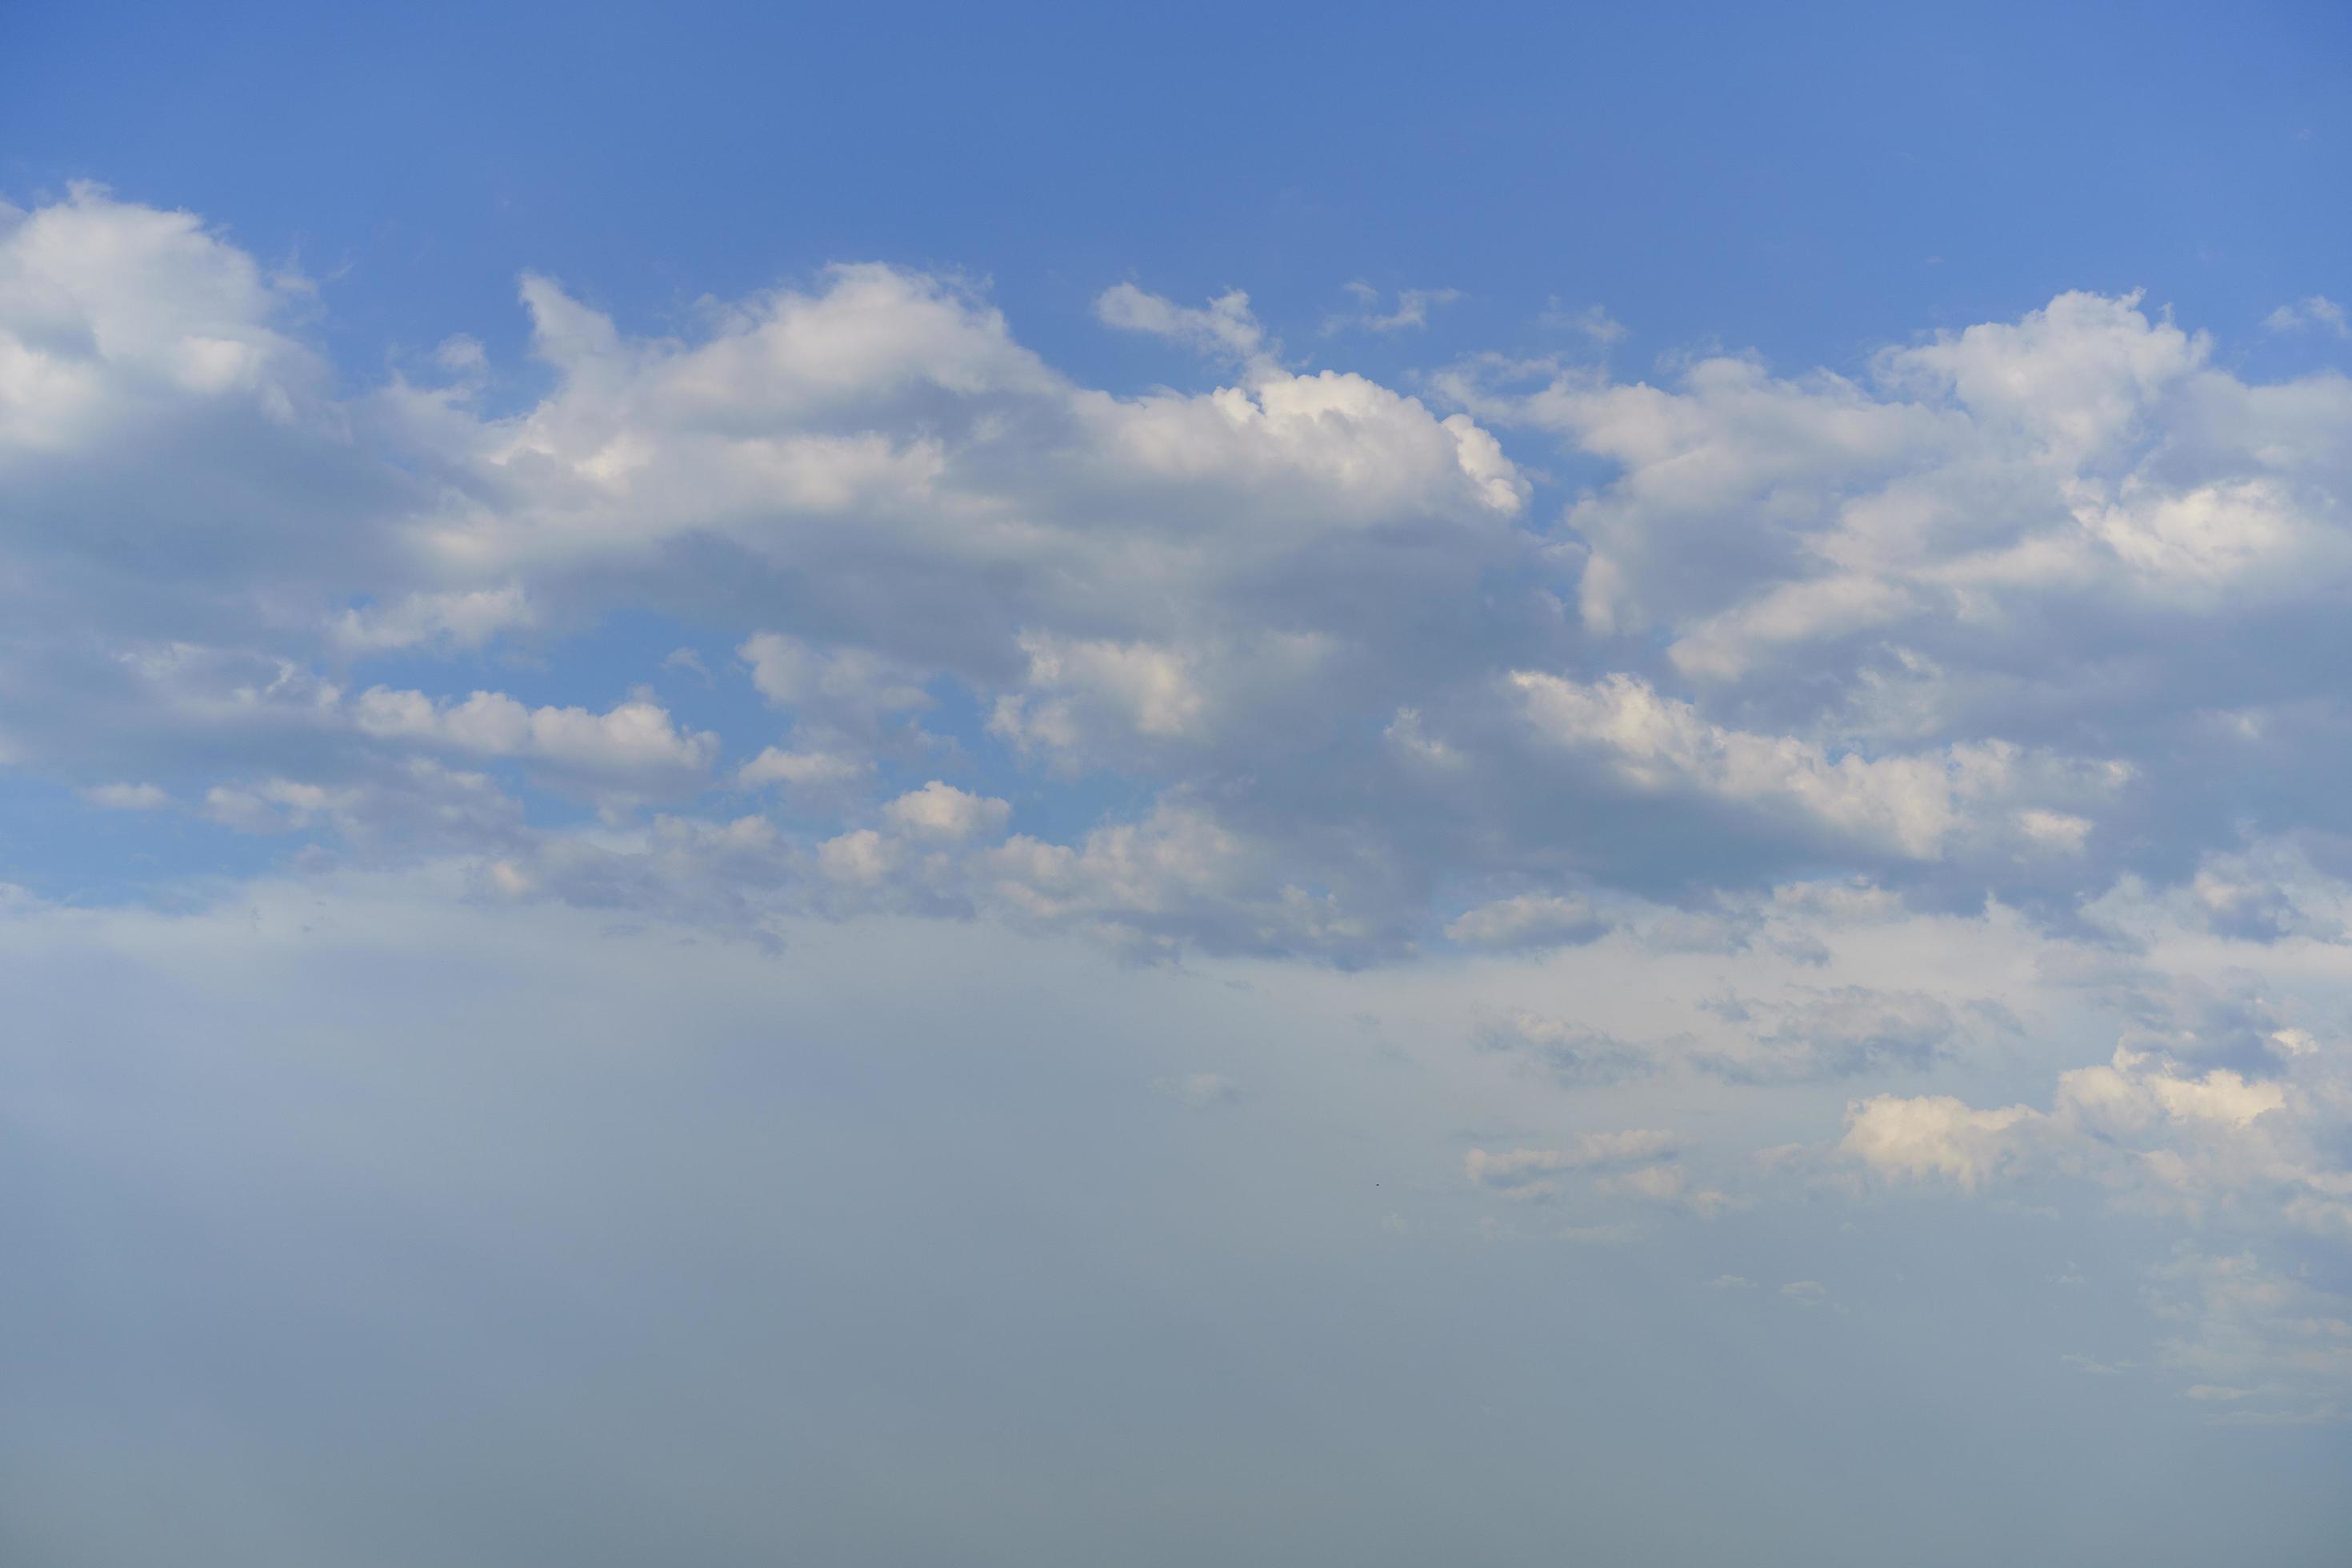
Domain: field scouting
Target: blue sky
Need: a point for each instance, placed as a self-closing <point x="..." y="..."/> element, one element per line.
<point x="939" y="786"/>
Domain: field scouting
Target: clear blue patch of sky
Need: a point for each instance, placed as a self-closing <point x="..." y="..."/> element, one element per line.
<point x="1810" y="180"/>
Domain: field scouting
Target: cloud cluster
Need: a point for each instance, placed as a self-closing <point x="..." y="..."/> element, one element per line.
<point x="1954" y="626"/>
<point x="2252" y="1157"/>
<point x="2034" y="625"/>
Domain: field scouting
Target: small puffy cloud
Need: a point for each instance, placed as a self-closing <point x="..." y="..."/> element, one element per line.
<point x="861" y="858"/>
<point x="2061" y="831"/>
<point x="1082" y="696"/>
<point x="944" y="814"/>
<point x="635" y="740"/>
<point x="1936" y="1135"/>
<point x="851" y="689"/>
<point x="2136" y="1091"/>
<point x="2314" y="313"/>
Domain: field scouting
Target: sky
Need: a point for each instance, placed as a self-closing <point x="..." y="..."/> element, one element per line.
<point x="1028" y="784"/>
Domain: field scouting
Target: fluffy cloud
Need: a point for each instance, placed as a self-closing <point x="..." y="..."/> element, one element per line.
<point x="1933" y="1135"/>
<point x="943" y="812"/>
<point x="1911" y="806"/>
<point x="2250" y="1158"/>
<point x="634" y="740"/>
<point x="1303" y="613"/>
<point x="110" y="313"/>
<point x="1300" y="653"/>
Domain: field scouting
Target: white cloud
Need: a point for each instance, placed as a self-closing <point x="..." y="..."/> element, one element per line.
<point x="1910" y="804"/>
<point x="1528" y="920"/>
<point x="1936" y="1135"/>
<point x="108" y="306"/>
<point x="465" y="619"/>
<point x="860" y="857"/>
<point x="634" y="739"/>
<point x="848" y="688"/>
<point x="1225" y="326"/>
<point x="943" y="812"/>
<point x="1077" y="690"/>
<point x="2315" y="313"/>
<point x="1758" y="741"/>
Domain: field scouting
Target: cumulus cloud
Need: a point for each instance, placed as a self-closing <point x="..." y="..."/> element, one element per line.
<point x="1728" y="745"/>
<point x="943" y="812"/>
<point x="1953" y="623"/>
<point x="1912" y="805"/>
<point x="853" y="691"/>
<point x="110" y="311"/>
<point x="635" y="740"/>
<point x="2253" y="1159"/>
<point x="1934" y="1135"/>
<point x="1862" y="594"/>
